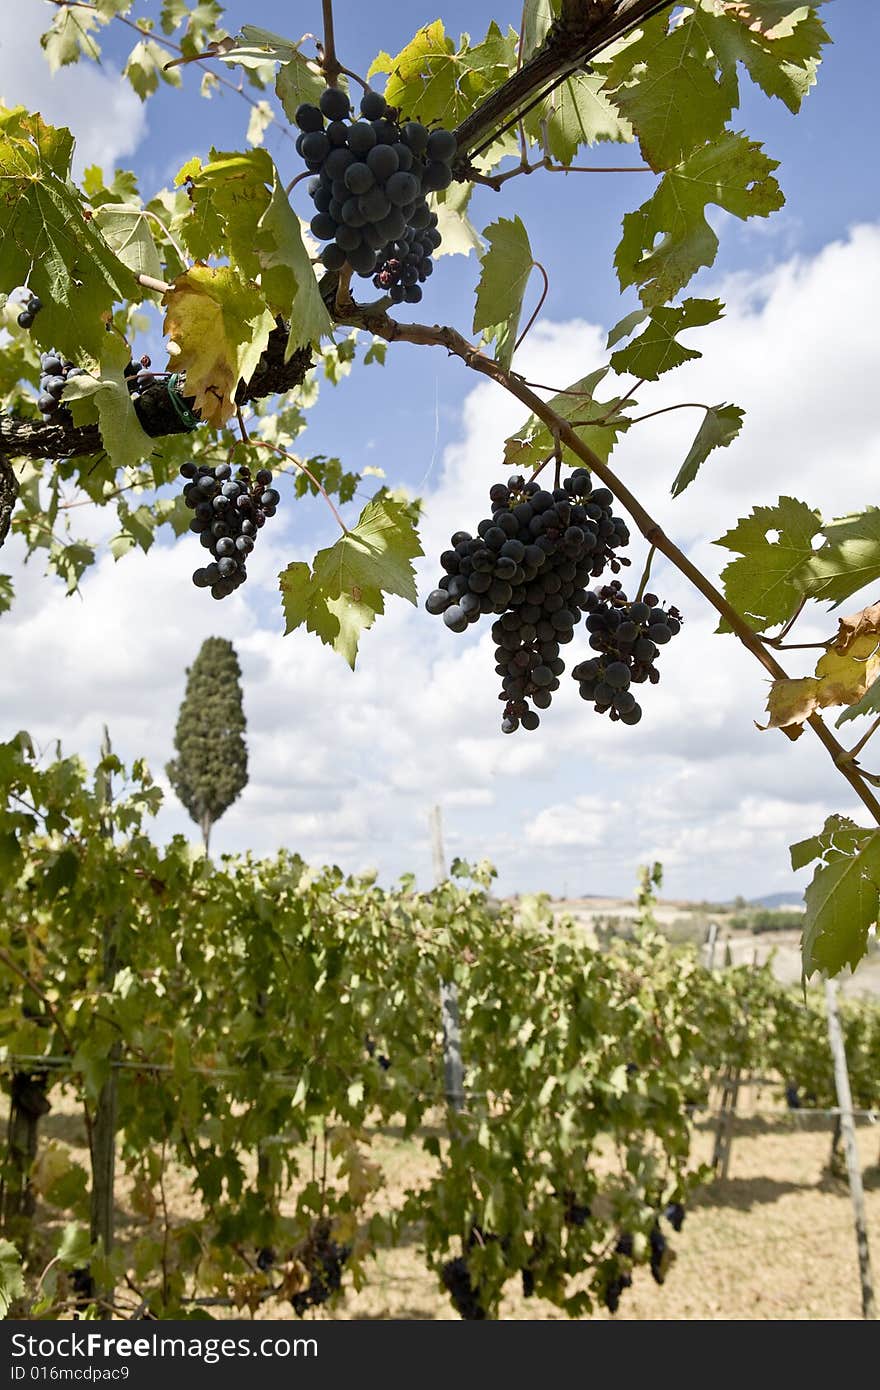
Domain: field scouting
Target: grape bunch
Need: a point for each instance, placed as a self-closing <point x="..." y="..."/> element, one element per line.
<point x="577" y="1213"/>
<point x="616" y="1282"/>
<point x="31" y="306"/>
<point x="54" y="372"/>
<point x="228" y="513"/>
<point x="530" y="562"/>
<point x="628" y="637"/>
<point x="457" y="1283"/>
<point x="138" y="376"/>
<point x="675" y="1214"/>
<point x="661" y="1255"/>
<point x="383" y="1061"/>
<point x="325" y="1260"/>
<point x="371" y="177"/>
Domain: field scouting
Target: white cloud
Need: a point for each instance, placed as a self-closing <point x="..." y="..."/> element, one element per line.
<point x="98" y="106"/>
<point x="345" y="768"/>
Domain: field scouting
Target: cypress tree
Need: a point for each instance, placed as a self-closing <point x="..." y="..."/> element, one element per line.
<point x="210" y="770"/>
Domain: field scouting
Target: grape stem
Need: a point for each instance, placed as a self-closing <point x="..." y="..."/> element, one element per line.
<point x="383" y="326"/>
<point x="646" y="574"/>
<point x="497" y="181"/>
<point x="536" y="265"/>
<point x="297" y="463"/>
<point x="330" y="65"/>
<point x="355" y="78"/>
<point x="306" y="174"/>
<point x="852" y="753"/>
<point x="664" y="410"/>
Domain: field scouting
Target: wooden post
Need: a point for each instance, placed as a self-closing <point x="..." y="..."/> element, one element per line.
<point x="104" y="1127"/>
<point x="848" y="1129"/>
<point x="709" y="944"/>
<point x="27" y="1104"/>
<point x="728" y="1129"/>
<point x="724" y="1128"/>
<point x="453" y="1067"/>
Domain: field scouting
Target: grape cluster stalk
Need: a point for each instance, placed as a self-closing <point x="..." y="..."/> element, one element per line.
<point x="228" y="513"/>
<point x="371" y="180"/>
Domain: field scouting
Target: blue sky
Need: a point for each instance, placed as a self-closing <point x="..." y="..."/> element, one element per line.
<point x="344" y="768"/>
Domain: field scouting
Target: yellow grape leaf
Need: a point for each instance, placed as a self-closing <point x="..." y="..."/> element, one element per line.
<point x="867" y="620"/>
<point x="345" y="1228"/>
<point x="219" y="325"/>
<point x="790" y="703"/>
<point x="52" y="1163"/>
<point x="841" y="678"/>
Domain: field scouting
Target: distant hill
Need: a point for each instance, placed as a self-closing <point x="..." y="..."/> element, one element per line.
<point x="778" y="900"/>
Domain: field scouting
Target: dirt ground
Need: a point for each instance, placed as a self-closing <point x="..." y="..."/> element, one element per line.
<point x="774" y="1241"/>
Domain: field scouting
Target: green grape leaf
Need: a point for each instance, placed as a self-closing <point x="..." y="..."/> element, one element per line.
<point x="731" y="172"/>
<point x="868" y="704"/>
<point x="228" y="196"/>
<point x="657" y="350"/>
<point x="233" y="207"/>
<point x="11" y="1277"/>
<point x="460" y="236"/>
<point x="849" y="559"/>
<point x="146" y="68"/>
<point x="577" y="113"/>
<point x="123" y="187"/>
<point x="624" y="327"/>
<point x="124" y="441"/>
<point x="842" y="904"/>
<point x="838" y="837"/>
<point x="434" y="82"/>
<point x="74" y="1247"/>
<point x="296" y="83"/>
<point x="342" y="594"/>
<point x="537" y="16"/>
<point x="126" y="229"/>
<point x="138" y="529"/>
<point x="69" y="36"/>
<point x="720" y="426"/>
<point x="258" y="46"/>
<point x="47" y="239"/>
<point x="7" y="592"/>
<point x="667" y="85"/>
<point x="219" y="325"/>
<point x="780" y="50"/>
<point x="174" y="513"/>
<point x="201" y="228"/>
<point x="765" y="582"/>
<point x="260" y="120"/>
<point x="288" y="275"/>
<point x="507" y="265"/>
<point x="533" y="442"/>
